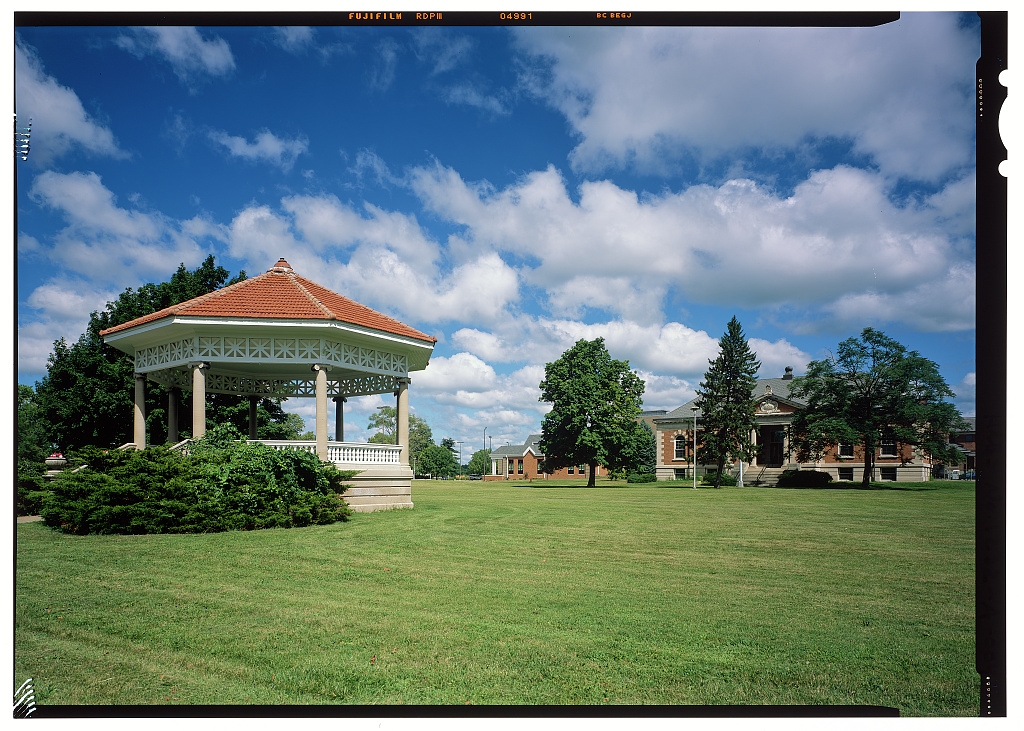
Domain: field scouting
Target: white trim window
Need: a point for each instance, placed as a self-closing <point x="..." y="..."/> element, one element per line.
<point x="844" y="450"/>
<point x="681" y="442"/>
<point x="888" y="446"/>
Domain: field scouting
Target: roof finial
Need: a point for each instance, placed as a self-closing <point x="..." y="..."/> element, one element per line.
<point x="281" y="266"/>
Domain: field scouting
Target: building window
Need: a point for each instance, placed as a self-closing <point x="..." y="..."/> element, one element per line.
<point x="583" y="469"/>
<point x="888" y="448"/>
<point x="888" y="473"/>
<point x="520" y="467"/>
<point x="846" y="473"/>
<point x="571" y="470"/>
<point x="681" y="447"/>
<point x="509" y="462"/>
<point x="845" y="450"/>
<point x="681" y="474"/>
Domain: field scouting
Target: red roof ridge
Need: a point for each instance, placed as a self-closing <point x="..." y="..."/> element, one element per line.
<point x="296" y="280"/>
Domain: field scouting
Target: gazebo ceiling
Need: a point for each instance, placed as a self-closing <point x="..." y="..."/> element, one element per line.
<point x="275" y="325"/>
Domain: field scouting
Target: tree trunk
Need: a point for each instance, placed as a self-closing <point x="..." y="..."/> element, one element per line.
<point x="593" y="470"/>
<point x="718" y="476"/>
<point x="868" y="467"/>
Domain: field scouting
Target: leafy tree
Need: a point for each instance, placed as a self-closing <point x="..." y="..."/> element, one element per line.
<point x="480" y="462"/>
<point x="595" y="404"/>
<point x="436" y="461"/>
<point x="87" y="394"/>
<point x="726" y="401"/>
<point x="874" y="388"/>
<point x="385" y="419"/>
<point x="32" y="443"/>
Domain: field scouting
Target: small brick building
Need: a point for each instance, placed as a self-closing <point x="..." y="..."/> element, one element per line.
<point x="524" y="461"/>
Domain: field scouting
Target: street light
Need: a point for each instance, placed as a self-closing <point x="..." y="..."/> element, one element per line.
<point x="694" y="410"/>
<point x="460" y="458"/>
<point x="485" y="438"/>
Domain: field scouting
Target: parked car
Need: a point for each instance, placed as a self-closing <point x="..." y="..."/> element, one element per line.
<point x="476" y="477"/>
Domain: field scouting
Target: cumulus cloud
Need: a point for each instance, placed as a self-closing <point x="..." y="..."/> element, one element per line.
<point x="643" y="96"/>
<point x="58" y="308"/>
<point x="267" y="147"/>
<point x="191" y="56"/>
<point x="837" y="236"/>
<point x="59" y="121"/>
<point x="110" y="243"/>
<point x="380" y="258"/>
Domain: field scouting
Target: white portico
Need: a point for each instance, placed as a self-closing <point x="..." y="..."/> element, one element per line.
<point x="281" y="335"/>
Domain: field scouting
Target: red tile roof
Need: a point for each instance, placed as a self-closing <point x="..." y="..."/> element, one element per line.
<point x="279" y="293"/>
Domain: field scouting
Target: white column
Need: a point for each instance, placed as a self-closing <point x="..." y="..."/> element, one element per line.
<point x="402" y="427"/>
<point x="199" y="399"/>
<point x="140" y="411"/>
<point x="172" y="415"/>
<point x="339" y="418"/>
<point x="321" y="410"/>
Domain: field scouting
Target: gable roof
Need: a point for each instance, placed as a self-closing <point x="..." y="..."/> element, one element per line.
<point x="520" y="450"/>
<point x="279" y="293"/>
<point x="780" y="391"/>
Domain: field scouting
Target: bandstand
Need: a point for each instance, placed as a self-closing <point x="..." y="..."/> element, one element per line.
<point x="282" y="335"/>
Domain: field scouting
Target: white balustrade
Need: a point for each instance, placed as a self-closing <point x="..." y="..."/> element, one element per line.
<point x="343" y="452"/>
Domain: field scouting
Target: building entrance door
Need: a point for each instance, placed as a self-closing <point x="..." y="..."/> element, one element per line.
<point x="770" y="443"/>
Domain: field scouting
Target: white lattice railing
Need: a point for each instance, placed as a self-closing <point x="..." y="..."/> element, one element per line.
<point x="344" y="452"/>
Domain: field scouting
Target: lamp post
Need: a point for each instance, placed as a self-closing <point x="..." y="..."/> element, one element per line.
<point x="694" y="410"/>
<point x="485" y="438"/>
<point x="460" y="458"/>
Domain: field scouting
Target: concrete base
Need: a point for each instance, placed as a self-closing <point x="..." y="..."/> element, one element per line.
<point x="378" y="487"/>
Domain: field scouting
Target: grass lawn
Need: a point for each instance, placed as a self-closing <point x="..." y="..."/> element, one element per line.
<point x="503" y="592"/>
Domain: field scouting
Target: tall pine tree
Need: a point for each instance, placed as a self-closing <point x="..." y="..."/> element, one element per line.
<point x="725" y="399"/>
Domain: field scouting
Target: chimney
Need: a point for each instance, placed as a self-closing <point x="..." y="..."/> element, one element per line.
<point x="789" y="374"/>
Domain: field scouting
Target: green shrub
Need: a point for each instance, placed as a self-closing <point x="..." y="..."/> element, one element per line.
<point x="709" y="479"/>
<point x="32" y="488"/>
<point x="641" y="477"/>
<point x="222" y="484"/>
<point x="804" y="478"/>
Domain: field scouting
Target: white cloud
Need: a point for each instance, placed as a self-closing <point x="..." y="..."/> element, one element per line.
<point x="774" y="357"/>
<point x="391" y="264"/>
<point x="441" y="49"/>
<point x="837" y="236"/>
<point x="460" y="372"/>
<point x="107" y="242"/>
<point x="646" y="97"/>
<point x="58" y="308"/>
<point x="267" y="147"/>
<point x="382" y="69"/>
<point x="966" y="393"/>
<point x="59" y="121"/>
<point x="190" y="55"/>
<point x="471" y="96"/>
<point x="294" y="38"/>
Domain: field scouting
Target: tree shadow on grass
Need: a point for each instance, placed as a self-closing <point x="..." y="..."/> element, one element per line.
<point x="894" y="486"/>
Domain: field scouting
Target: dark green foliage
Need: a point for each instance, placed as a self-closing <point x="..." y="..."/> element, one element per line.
<point x="641" y="477"/>
<point x="436" y="461"/>
<point x="718" y="479"/>
<point x="595" y="405"/>
<point x="480" y="463"/>
<point x="872" y="388"/>
<point x="804" y="478"/>
<point x="32" y="487"/>
<point x="222" y="484"/>
<point x="726" y="402"/>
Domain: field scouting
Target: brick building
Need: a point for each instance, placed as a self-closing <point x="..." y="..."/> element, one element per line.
<point x="775" y="410"/>
<point x="524" y="461"/>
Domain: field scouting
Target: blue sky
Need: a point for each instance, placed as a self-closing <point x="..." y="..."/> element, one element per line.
<point x="511" y="190"/>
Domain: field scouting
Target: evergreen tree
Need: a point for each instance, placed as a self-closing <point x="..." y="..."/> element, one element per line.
<point x="874" y="388"/>
<point x="595" y="404"/>
<point x="726" y="402"/>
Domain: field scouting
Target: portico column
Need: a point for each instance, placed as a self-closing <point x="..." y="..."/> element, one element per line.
<point x="402" y="427"/>
<point x="321" y="411"/>
<point x="199" y="399"/>
<point x="140" y="411"/>
<point x="172" y="415"/>
<point x="339" y="418"/>
<point x="253" y="401"/>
